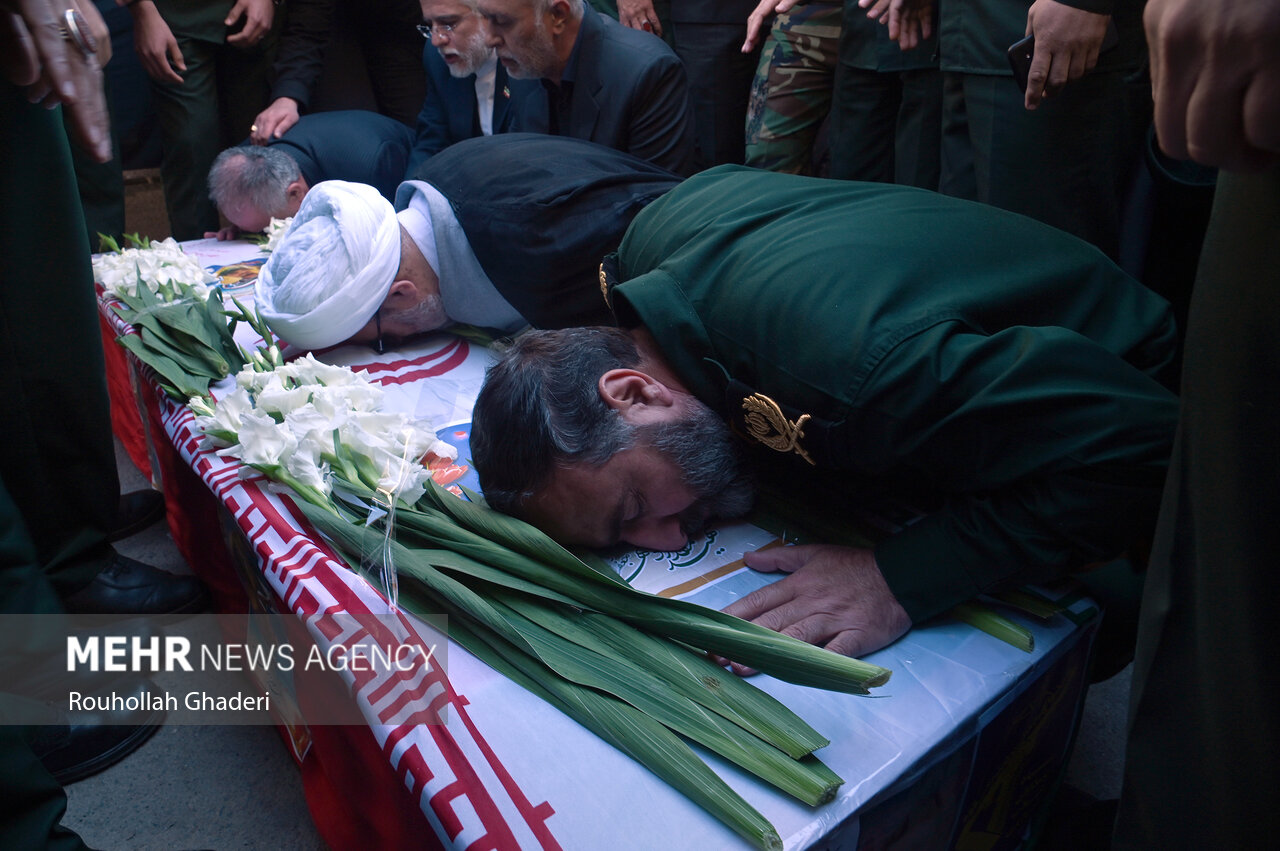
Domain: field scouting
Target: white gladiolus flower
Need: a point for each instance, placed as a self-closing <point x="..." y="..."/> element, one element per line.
<point x="224" y="423"/>
<point x="275" y="232"/>
<point x="308" y="370"/>
<point x="309" y="470"/>
<point x="163" y="261"/>
<point x="290" y="419"/>
<point x="264" y="443"/>
<point x="277" y="399"/>
<point x="347" y="398"/>
<point x="440" y="449"/>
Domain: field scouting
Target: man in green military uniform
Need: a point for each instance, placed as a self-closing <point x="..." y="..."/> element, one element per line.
<point x="862" y="340"/>
<point x="209" y="65"/>
<point x="1064" y="151"/>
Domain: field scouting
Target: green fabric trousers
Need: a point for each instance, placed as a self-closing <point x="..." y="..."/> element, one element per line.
<point x="1204" y="737"/>
<point x="58" y="486"/>
<point x="32" y="803"/>
<point x="1066" y="163"/>
<point x="223" y="90"/>
<point x="57" y="458"/>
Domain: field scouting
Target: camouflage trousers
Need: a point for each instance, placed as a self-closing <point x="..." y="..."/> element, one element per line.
<point x="792" y="91"/>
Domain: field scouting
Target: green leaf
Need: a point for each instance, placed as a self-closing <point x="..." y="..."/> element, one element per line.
<point x="184" y="384"/>
<point x="627" y="729"/>
<point x="725" y="635"/>
<point x="511" y="532"/>
<point x="984" y="618"/>
<point x="1030" y="602"/>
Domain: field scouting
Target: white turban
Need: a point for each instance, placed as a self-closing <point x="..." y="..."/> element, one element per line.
<point x="333" y="268"/>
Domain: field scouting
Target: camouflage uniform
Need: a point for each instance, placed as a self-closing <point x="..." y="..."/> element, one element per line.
<point x="792" y="90"/>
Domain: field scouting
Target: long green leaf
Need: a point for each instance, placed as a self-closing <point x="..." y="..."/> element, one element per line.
<point x="997" y="625"/>
<point x="1030" y="602"/>
<point x="191" y="362"/>
<point x="185" y="385"/>
<point x="516" y="534"/>
<point x="630" y="731"/>
<point x="686" y="671"/>
<point x="750" y="644"/>
<point x="708" y="684"/>
<point x="576" y="661"/>
<point x="810" y="781"/>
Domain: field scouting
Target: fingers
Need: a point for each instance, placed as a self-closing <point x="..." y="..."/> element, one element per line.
<point x="876" y="9"/>
<point x="1217" y="125"/>
<point x="54" y="56"/>
<point x="1037" y="78"/>
<point x="17" y="51"/>
<point x="175" y="58"/>
<point x="1171" y="88"/>
<point x="761" y="601"/>
<point x="857" y="643"/>
<point x="788" y="559"/>
<point x="1261" y="117"/>
<point x="754" y="24"/>
<point x="163" y="65"/>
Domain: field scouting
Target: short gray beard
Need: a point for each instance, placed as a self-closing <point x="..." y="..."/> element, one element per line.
<point x="541" y="55"/>
<point x="427" y="315"/>
<point x="703" y="448"/>
<point x="474" y="53"/>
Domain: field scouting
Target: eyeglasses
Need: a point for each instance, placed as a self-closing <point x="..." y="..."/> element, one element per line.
<point x="376" y="343"/>
<point x="438" y="29"/>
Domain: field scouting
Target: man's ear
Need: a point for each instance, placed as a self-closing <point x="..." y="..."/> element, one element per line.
<point x="638" y="396"/>
<point x="402" y="294"/>
<point x="295" y="192"/>
<point x="560" y="15"/>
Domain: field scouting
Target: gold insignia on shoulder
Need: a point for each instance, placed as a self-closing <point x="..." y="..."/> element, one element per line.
<point x="767" y="424"/>
<point x="604" y="284"/>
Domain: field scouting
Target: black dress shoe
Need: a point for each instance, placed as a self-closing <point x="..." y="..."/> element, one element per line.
<point x="129" y="587"/>
<point x="138" y="510"/>
<point x="80" y="744"/>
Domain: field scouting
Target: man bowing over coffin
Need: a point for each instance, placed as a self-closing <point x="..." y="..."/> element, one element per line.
<point x="841" y="343"/>
<point x="501" y="232"/>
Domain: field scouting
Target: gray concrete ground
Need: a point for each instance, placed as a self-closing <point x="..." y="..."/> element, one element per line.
<point x="237" y="787"/>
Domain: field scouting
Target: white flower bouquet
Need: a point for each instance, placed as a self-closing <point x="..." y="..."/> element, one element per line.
<point x="148" y="263"/>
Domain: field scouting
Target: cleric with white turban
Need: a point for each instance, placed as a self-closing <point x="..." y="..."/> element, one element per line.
<point x="501" y="232"/>
<point x="334" y="266"/>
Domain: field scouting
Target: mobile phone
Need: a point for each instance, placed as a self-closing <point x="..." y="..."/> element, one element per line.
<point x="1022" y="51"/>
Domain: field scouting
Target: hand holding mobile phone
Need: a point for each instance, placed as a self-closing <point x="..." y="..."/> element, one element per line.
<point x="1021" y="53"/>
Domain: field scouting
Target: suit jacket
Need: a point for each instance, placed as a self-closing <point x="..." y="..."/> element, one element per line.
<point x="1016" y="382"/>
<point x="450" y="113"/>
<point x="630" y="93"/>
<point x="540" y="212"/>
<point x="351" y="144"/>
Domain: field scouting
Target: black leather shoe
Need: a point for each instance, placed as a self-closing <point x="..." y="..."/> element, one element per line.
<point x="129" y="587"/>
<point x="83" y="743"/>
<point x="138" y="510"/>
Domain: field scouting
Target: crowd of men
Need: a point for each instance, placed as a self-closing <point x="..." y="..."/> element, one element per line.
<point x="694" y="338"/>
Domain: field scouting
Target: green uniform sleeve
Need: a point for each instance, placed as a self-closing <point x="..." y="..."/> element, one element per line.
<point x="1050" y="449"/>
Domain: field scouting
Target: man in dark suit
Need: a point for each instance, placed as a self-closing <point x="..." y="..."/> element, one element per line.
<point x="252" y="185"/>
<point x="470" y="242"/>
<point x="468" y="93"/>
<point x="708" y="36"/>
<point x="602" y="82"/>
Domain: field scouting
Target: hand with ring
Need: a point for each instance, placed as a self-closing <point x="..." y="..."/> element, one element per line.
<point x="52" y="52"/>
<point x="639" y="15"/>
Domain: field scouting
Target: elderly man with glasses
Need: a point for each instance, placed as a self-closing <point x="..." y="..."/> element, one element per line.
<point x="500" y="232"/>
<point x="468" y="91"/>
